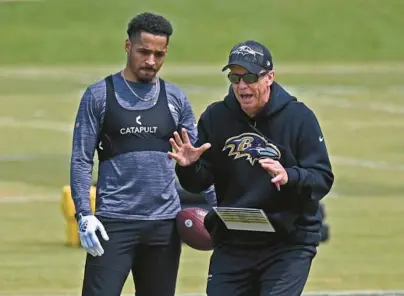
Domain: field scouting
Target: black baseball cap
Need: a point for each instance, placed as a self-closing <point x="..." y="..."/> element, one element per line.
<point x="251" y="55"/>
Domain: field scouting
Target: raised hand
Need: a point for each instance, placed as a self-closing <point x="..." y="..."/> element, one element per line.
<point x="183" y="151"/>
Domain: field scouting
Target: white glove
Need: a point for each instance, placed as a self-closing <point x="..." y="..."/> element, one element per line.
<point x="88" y="225"/>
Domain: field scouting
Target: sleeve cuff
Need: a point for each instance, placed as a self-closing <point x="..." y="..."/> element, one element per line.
<point x="293" y="176"/>
<point x="194" y="167"/>
<point x="82" y="213"/>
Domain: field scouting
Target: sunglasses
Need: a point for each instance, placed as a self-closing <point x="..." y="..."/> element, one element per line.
<point x="248" y="78"/>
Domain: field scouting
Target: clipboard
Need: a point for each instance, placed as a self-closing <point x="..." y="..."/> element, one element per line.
<point x="244" y="219"/>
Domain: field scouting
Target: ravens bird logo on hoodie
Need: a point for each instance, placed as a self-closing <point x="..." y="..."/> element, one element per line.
<point x="252" y="146"/>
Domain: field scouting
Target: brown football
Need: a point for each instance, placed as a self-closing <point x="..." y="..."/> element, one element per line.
<point x="192" y="230"/>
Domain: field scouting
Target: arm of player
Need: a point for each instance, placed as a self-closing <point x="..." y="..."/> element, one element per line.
<point x="196" y="176"/>
<point x="85" y="137"/>
<point x="314" y="173"/>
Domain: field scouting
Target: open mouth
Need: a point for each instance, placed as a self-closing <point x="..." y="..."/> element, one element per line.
<point x="246" y="97"/>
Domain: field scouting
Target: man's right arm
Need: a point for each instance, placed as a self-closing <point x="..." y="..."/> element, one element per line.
<point x="85" y="138"/>
<point x="198" y="176"/>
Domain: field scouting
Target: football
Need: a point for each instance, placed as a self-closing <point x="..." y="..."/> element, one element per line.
<point x="192" y="230"/>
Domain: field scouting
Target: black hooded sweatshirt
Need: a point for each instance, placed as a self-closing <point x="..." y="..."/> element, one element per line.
<point x="231" y="164"/>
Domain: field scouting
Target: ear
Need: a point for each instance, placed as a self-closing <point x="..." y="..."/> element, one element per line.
<point x="128" y="45"/>
<point x="271" y="77"/>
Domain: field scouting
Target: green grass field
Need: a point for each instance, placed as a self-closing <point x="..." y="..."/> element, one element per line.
<point x="349" y="70"/>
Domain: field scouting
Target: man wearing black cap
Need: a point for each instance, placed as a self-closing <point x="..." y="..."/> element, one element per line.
<point x="266" y="155"/>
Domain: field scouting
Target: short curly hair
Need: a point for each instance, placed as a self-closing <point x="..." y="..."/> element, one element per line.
<point x="151" y="23"/>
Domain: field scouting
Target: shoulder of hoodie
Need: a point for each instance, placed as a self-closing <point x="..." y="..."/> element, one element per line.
<point x="213" y="109"/>
<point x="298" y="109"/>
<point x="300" y="112"/>
<point x="294" y="107"/>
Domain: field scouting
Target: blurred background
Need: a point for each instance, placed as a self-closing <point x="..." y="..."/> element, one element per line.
<point x="343" y="58"/>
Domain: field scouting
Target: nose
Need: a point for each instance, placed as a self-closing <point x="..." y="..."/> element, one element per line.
<point x="242" y="84"/>
<point x="151" y="61"/>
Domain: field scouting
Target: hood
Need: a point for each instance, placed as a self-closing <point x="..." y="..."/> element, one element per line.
<point x="278" y="100"/>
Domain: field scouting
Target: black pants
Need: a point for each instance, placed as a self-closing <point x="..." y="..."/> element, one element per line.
<point x="279" y="270"/>
<point x="150" y="249"/>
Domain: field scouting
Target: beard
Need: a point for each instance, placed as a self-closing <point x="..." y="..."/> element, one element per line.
<point x="145" y="80"/>
<point x="147" y="77"/>
<point x="143" y="74"/>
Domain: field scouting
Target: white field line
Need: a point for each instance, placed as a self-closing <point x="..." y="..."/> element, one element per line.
<point x="25" y="199"/>
<point x="370" y="164"/>
<point x="36" y="124"/>
<point x="204" y="70"/>
<point x="348" y="104"/>
<point x="362" y="124"/>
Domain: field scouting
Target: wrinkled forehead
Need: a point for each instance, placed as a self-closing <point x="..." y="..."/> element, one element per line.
<point x="150" y="41"/>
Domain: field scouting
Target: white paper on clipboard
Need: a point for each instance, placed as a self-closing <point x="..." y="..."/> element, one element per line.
<point x="244" y="219"/>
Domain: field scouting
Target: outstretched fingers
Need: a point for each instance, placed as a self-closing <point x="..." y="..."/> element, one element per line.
<point x="185" y="136"/>
<point x="174" y="145"/>
<point x="178" y="139"/>
<point x="174" y="156"/>
<point x="203" y="148"/>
